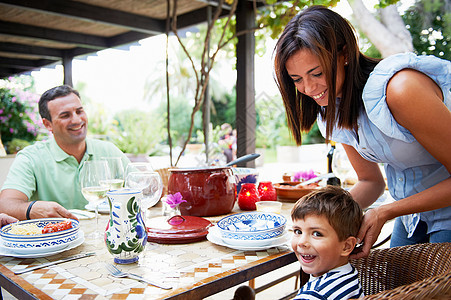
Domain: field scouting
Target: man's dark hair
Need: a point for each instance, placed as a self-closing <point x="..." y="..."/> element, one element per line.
<point x="52" y="94"/>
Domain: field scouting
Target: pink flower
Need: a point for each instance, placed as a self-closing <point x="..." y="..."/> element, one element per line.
<point x="174" y="200"/>
<point x="304" y="175"/>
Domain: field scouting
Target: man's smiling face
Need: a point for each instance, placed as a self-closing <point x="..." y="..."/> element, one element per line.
<point x="69" y="121"/>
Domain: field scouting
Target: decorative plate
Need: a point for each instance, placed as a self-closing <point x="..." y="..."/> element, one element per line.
<point x="41" y="252"/>
<point x="214" y="236"/>
<point x="12" y="240"/>
<point x="190" y="229"/>
<point x="252" y="226"/>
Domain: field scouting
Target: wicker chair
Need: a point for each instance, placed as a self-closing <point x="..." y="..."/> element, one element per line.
<point x="421" y="271"/>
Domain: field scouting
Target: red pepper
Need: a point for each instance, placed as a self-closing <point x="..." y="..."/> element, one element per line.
<point x="54" y="227"/>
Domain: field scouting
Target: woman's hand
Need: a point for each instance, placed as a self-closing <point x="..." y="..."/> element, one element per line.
<point x="369" y="231"/>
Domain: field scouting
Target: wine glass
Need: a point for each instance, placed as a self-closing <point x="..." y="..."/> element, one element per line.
<point x="117" y="172"/>
<point x="342" y="167"/>
<point x="94" y="177"/>
<point x="142" y="176"/>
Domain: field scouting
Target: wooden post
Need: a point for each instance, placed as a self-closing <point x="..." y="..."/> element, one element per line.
<point x="67" y="66"/>
<point x="245" y="86"/>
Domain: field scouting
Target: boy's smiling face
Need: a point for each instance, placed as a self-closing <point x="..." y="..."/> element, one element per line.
<point x="317" y="246"/>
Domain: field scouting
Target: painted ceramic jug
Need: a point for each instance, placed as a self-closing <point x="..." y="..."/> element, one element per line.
<point x="125" y="235"/>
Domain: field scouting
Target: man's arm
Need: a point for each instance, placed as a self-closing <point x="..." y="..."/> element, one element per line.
<point x="15" y="204"/>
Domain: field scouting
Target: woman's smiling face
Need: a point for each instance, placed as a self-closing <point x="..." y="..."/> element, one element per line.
<point x="307" y="73"/>
<point x="317" y="246"/>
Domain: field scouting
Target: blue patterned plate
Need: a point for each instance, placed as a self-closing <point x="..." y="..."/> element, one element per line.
<point x="252" y="226"/>
<point x="214" y="236"/>
<point x="17" y="241"/>
<point x="42" y="252"/>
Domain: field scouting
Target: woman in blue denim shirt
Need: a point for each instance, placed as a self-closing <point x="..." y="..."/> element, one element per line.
<point x="394" y="111"/>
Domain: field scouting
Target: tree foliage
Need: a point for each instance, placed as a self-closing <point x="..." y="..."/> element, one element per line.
<point x="429" y="24"/>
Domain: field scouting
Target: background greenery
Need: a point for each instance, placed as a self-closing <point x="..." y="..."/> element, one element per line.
<point x="140" y="132"/>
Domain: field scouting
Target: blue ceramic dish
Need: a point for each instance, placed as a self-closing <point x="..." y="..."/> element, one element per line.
<point x="39" y="240"/>
<point x="252" y="226"/>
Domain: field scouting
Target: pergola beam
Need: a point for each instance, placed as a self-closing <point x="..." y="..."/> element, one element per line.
<point x="83" y="11"/>
<point x="37" y="51"/>
<point x="53" y="35"/>
<point x="24" y="63"/>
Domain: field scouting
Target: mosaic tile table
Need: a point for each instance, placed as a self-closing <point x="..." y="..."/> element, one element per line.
<point x="195" y="270"/>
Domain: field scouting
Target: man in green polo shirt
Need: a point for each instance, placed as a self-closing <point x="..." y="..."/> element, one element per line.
<point x="48" y="170"/>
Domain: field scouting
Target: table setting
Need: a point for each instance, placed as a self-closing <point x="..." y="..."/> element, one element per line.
<point x="177" y="236"/>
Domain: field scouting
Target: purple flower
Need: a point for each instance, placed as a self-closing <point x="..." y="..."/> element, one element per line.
<point x="174" y="200"/>
<point x="304" y="175"/>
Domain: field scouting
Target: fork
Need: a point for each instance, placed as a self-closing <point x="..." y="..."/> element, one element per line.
<point x="118" y="273"/>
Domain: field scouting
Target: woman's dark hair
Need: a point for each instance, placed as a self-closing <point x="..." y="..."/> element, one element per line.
<point x="53" y="93"/>
<point x="326" y="34"/>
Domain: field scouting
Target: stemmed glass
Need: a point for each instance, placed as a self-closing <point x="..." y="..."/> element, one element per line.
<point x="117" y="172"/>
<point x="342" y="167"/>
<point x="94" y="177"/>
<point x="142" y="176"/>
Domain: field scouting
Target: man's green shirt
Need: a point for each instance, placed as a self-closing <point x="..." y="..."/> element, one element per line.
<point x="43" y="171"/>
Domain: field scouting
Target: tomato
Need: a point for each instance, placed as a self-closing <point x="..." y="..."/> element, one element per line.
<point x="54" y="227"/>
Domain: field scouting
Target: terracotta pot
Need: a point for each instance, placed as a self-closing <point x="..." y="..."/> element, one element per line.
<point x="208" y="191"/>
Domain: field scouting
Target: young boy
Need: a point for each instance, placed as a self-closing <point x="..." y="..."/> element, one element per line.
<point x="325" y="225"/>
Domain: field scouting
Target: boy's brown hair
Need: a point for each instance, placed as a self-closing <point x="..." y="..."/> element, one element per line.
<point x="336" y="204"/>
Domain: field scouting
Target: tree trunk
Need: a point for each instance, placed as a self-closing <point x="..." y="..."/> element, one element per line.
<point x="389" y="35"/>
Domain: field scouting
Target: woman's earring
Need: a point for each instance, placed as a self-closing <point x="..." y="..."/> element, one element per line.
<point x="346" y="63"/>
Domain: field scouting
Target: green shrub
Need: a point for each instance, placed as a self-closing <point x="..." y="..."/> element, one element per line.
<point x="15" y="145"/>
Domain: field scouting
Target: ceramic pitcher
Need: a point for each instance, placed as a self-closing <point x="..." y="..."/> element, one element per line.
<point x="125" y="235"/>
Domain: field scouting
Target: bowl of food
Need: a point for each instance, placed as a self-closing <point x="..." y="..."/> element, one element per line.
<point x="291" y="191"/>
<point x="39" y="233"/>
<point x="251" y="226"/>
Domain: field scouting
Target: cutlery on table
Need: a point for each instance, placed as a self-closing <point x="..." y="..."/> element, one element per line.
<point x="118" y="273"/>
<point x="54" y="262"/>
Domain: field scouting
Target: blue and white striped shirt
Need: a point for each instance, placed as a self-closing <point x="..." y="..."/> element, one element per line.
<point x="339" y="283"/>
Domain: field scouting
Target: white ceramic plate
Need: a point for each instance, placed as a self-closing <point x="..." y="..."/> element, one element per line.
<point x="37" y="250"/>
<point x="214" y="236"/>
<point x="9" y="252"/>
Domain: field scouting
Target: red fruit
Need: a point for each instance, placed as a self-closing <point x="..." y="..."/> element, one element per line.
<point x="248" y="196"/>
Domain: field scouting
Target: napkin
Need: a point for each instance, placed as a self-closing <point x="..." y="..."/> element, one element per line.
<point x="82" y="214"/>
